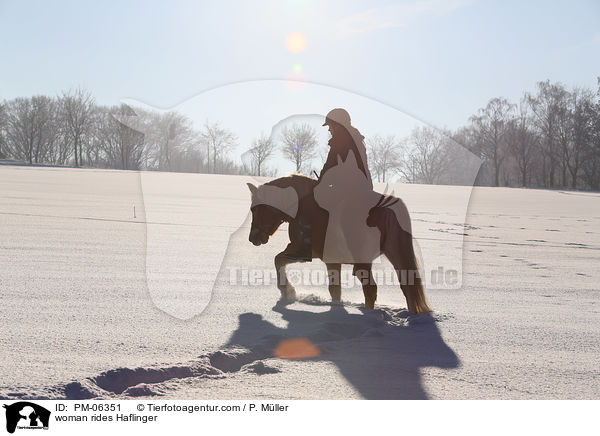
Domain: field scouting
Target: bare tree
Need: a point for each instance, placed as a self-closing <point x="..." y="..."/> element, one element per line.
<point x="3" y="128"/>
<point x="591" y="158"/>
<point x="122" y="145"/>
<point x="385" y="154"/>
<point x="261" y="150"/>
<point x="428" y="159"/>
<point x="564" y="134"/>
<point x="218" y="141"/>
<point x="490" y="127"/>
<point x="76" y="107"/>
<point x="582" y="131"/>
<point x="547" y="107"/>
<point x="31" y="128"/>
<point x="192" y="158"/>
<point x="169" y="137"/>
<point x="20" y="132"/>
<point x="299" y="144"/>
<point x="522" y="142"/>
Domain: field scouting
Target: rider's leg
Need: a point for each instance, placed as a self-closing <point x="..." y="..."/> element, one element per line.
<point x="334" y="278"/>
<point x="300" y="248"/>
<point x="363" y="272"/>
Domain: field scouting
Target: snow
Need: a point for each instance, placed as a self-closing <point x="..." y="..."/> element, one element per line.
<point x="97" y="303"/>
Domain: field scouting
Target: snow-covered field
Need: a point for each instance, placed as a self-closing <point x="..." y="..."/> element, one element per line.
<point x="97" y="302"/>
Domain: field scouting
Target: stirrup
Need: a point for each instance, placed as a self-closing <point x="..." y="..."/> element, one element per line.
<point x="299" y="257"/>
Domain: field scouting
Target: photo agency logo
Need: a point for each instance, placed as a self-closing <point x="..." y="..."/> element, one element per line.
<point x="25" y="415"/>
<point x="362" y="192"/>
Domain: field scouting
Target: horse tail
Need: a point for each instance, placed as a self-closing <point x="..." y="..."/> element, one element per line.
<point x="401" y="252"/>
<point x="420" y="303"/>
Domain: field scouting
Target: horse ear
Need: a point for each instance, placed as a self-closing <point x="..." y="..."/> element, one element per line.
<point x="351" y="159"/>
<point x="339" y="159"/>
<point x="252" y="188"/>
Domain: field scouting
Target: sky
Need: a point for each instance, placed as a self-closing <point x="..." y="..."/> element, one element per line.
<point x="434" y="61"/>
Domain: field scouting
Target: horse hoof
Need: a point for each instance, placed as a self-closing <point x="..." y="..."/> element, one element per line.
<point x="290" y="293"/>
<point x="290" y="297"/>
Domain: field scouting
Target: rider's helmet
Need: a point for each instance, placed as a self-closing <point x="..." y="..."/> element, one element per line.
<point x="339" y="116"/>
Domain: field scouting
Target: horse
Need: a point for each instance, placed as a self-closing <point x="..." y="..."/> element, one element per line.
<point x="291" y="199"/>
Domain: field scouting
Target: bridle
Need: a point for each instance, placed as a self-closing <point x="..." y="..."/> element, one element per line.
<point x="261" y="228"/>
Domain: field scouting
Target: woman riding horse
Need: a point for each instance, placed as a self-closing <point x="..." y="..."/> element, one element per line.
<point x="338" y="219"/>
<point x="344" y="138"/>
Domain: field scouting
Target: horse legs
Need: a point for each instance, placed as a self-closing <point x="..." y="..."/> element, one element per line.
<point x="285" y="287"/>
<point x="334" y="278"/>
<point x="363" y="272"/>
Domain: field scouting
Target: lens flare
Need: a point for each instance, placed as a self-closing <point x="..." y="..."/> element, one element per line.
<point x="295" y="42"/>
<point x="297" y="348"/>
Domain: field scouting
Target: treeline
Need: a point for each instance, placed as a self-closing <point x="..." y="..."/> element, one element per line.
<point x="72" y="129"/>
<point x="549" y="139"/>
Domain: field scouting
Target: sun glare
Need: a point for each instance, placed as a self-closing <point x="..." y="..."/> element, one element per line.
<point x="295" y="42"/>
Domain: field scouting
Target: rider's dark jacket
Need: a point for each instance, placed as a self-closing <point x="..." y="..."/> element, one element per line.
<point x="341" y="143"/>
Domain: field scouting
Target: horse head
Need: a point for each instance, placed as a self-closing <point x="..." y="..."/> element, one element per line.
<point x="271" y="206"/>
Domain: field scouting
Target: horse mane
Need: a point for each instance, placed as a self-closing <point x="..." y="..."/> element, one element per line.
<point x="386" y="200"/>
<point x="302" y="184"/>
